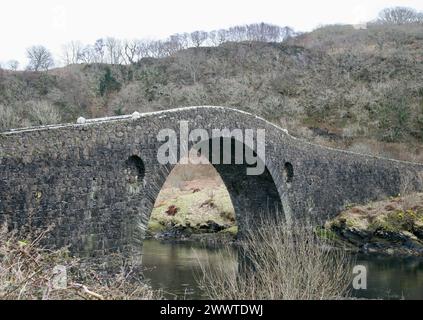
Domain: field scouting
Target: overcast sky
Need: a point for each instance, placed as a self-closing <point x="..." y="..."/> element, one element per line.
<point x="54" y="22"/>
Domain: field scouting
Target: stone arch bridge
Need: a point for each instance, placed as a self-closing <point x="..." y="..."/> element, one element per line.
<point x="97" y="181"/>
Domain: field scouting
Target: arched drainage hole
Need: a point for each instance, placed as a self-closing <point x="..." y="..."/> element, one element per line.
<point x="289" y="172"/>
<point x="136" y="169"/>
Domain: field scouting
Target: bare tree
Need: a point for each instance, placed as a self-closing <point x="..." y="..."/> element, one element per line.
<point x="114" y="50"/>
<point x="99" y="51"/>
<point x="88" y="55"/>
<point x="13" y="65"/>
<point x="287" y="33"/>
<point x="176" y="41"/>
<point x="262" y="32"/>
<point x="191" y="61"/>
<point x="238" y="33"/>
<point x="39" y="58"/>
<point x="399" y="15"/>
<point x="130" y="51"/>
<point x="198" y="37"/>
<point x="73" y="52"/>
<point x="171" y="45"/>
<point x="222" y="36"/>
<point x="185" y="39"/>
<point x="213" y="37"/>
<point x="181" y="40"/>
<point x="156" y="49"/>
<point x="143" y="49"/>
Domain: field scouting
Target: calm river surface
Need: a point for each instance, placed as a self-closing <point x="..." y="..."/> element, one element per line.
<point x="174" y="268"/>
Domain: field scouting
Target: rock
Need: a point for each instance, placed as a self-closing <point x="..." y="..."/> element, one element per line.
<point x="369" y="248"/>
<point x="390" y="251"/>
<point x="391" y="236"/>
<point x="418" y="232"/>
<point x="353" y="235"/>
<point x="414" y="245"/>
<point x="214" y="227"/>
<point x="136" y="115"/>
<point x="408" y="235"/>
<point x="81" y="120"/>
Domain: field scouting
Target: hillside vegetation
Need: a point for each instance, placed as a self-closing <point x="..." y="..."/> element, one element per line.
<point x="358" y="89"/>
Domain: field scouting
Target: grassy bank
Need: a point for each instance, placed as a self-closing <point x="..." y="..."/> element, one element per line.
<point x="194" y="207"/>
<point x="392" y="226"/>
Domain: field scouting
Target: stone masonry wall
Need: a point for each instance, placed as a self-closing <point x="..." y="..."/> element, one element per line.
<point x="97" y="182"/>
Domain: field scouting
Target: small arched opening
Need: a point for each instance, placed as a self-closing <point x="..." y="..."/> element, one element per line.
<point x="289" y="172"/>
<point x="135" y="169"/>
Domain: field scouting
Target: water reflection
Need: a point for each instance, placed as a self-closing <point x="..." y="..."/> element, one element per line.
<point x="174" y="267"/>
<point x="392" y="277"/>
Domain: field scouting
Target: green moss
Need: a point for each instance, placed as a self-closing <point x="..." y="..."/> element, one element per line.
<point x="353" y="221"/>
<point x="350" y="223"/>
<point x="381" y="224"/>
<point x="325" y="234"/>
<point x="349" y="205"/>
<point x="397" y="221"/>
<point x="155" y="226"/>
<point x="232" y="230"/>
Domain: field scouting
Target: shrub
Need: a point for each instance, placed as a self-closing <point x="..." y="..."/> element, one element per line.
<point x="394" y="119"/>
<point x="27" y="272"/>
<point x="8" y="118"/>
<point x="108" y="83"/>
<point x="33" y="113"/>
<point x="42" y="113"/>
<point x="289" y="262"/>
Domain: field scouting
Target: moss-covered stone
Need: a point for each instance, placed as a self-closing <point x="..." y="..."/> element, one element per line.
<point x="392" y="226"/>
<point x="231" y="230"/>
<point x="326" y="234"/>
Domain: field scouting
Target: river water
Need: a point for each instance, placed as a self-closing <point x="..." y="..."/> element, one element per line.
<point x="174" y="268"/>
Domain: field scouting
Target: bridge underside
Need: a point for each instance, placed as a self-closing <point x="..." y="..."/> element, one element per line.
<point x="255" y="197"/>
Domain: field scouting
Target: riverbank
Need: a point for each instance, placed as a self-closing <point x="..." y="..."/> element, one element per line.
<point x="196" y="210"/>
<point x="391" y="227"/>
<point x="200" y="210"/>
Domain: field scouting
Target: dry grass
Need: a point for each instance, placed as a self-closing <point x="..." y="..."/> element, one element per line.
<point x="31" y="113"/>
<point x="43" y="113"/>
<point x="290" y="263"/>
<point x="196" y="203"/>
<point x="8" y="118"/>
<point x="30" y="272"/>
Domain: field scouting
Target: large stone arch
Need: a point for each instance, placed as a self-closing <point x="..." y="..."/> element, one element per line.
<point x="254" y="197"/>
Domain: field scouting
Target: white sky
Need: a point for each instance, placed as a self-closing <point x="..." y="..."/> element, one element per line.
<point x="54" y="22"/>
